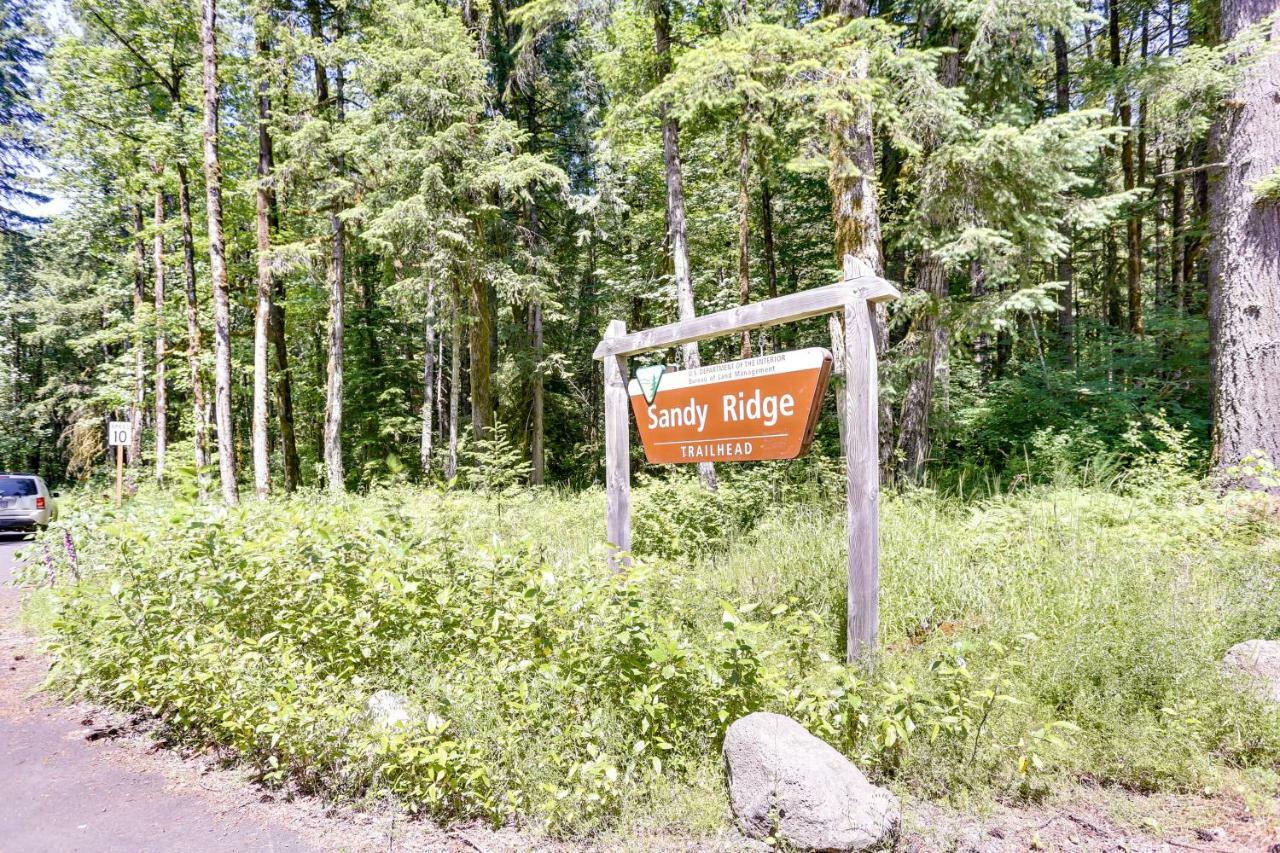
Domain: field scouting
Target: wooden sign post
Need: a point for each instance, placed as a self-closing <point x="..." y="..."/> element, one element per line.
<point x="119" y="433"/>
<point x="854" y="299"/>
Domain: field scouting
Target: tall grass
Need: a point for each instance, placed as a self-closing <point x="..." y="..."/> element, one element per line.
<point x="1026" y="639"/>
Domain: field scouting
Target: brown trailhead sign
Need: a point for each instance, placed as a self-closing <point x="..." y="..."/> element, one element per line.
<point x="740" y="411"/>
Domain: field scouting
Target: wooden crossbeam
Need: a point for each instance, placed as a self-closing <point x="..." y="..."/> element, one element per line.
<point x="771" y="312"/>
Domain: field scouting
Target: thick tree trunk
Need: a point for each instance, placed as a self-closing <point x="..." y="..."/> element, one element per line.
<point x="1244" y="300"/>
<point x="677" y="222"/>
<point x="162" y="404"/>
<point x="200" y="429"/>
<point x="262" y="302"/>
<point x="744" y="231"/>
<point x="217" y="257"/>
<point x="931" y="339"/>
<point x="1066" y="296"/>
<point x="855" y="209"/>
<point x="928" y="335"/>
<point x="139" y="354"/>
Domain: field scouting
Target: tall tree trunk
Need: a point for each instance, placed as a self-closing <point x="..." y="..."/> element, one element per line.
<point x="744" y="230"/>
<point x="1244" y="300"/>
<point x="139" y="355"/>
<point x="677" y="222"/>
<point x="770" y="254"/>
<point x="928" y="333"/>
<point x="428" y="379"/>
<point x="1066" y="296"/>
<point x="766" y="232"/>
<point x="162" y="407"/>
<point x="537" y="448"/>
<point x="1177" y="240"/>
<point x="931" y="340"/>
<point x="335" y="277"/>
<point x="217" y="257"/>
<point x="200" y="428"/>
<point x="280" y="351"/>
<point x="455" y="381"/>
<point x="1133" y="221"/>
<point x="854" y="207"/>
<point x="479" y="341"/>
<point x="262" y="302"/>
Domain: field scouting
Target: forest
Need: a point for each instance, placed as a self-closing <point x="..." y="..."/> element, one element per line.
<point x="344" y="264"/>
<point x="341" y="242"/>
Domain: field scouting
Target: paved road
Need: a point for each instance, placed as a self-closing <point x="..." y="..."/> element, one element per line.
<point x="8" y="545"/>
<point x="61" y="791"/>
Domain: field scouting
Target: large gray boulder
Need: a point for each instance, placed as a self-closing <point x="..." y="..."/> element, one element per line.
<point x="786" y="783"/>
<point x="1258" y="661"/>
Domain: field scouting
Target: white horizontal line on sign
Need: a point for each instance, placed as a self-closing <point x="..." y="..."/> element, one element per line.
<point x="722" y="440"/>
<point x="749" y="368"/>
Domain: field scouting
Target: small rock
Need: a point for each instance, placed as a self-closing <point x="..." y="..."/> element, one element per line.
<point x="1259" y="662"/>
<point x="1213" y="833"/>
<point x="386" y="710"/>
<point x="788" y="784"/>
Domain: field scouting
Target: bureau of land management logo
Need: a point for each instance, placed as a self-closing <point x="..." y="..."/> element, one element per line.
<point x="649" y="377"/>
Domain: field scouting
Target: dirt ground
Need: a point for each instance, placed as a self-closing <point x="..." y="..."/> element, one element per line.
<point x="80" y="778"/>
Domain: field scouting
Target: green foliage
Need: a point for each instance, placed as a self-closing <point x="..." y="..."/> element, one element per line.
<point x="1027" y="639"/>
<point x="1268" y="189"/>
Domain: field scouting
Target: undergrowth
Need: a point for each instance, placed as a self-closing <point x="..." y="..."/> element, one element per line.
<point x="1027" y="639"/>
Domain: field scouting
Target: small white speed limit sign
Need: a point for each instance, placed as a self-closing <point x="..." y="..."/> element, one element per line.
<point x="119" y="433"/>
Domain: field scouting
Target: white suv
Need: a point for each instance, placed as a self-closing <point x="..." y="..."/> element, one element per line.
<point x="25" y="503"/>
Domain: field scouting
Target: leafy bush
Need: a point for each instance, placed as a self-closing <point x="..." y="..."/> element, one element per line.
<point x="1053" y="633"/>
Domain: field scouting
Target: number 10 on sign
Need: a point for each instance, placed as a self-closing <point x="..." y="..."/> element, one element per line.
<point x="119" y="436"/>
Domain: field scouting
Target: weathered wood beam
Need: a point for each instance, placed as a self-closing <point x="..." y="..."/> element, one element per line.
<point x="771" y="312"/>
<point x="617" y="452"/>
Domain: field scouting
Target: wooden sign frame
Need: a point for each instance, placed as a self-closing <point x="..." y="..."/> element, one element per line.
<point x="855" y="299"/>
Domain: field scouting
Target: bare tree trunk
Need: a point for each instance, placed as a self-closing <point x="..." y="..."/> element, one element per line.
<point x="854" y="207"/>
<point x="428" y="379"/>
<point x="1066" y="296"/>
<point x="200" y="428"/>
<point x="931" y="340"/>
<point x="744" y="231"/>
<point x="481" y="321"/>
<point x="537" y="448"/>
<point x="766" y="228"/>
<point x="139" y="355"/>
<point x="455" y="382"/>
<point x="162" y="407"/>
<point x="677" y="222"/>
<point x="262" y="311"/>
<point x="928" y="333"/>
<point x="1133" y="221"/>
<point x="217" y="257"/>
<point x="1244" y="301"/>
<point x="1177" y="241"/>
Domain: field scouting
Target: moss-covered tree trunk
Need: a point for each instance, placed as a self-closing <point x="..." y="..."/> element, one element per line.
<point x="1244" y="300"/>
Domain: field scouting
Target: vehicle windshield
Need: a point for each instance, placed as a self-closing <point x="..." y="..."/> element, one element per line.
<point x="17" y="487"/>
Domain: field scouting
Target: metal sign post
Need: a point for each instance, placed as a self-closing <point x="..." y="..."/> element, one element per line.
<point x="119" y="435"/>
<point x="854" y="299"/>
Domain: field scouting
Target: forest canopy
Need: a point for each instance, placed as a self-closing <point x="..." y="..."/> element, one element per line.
<point x="336" y="242"/>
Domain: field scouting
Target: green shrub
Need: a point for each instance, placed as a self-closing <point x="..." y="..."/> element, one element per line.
<point x="1026" y="638"/>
